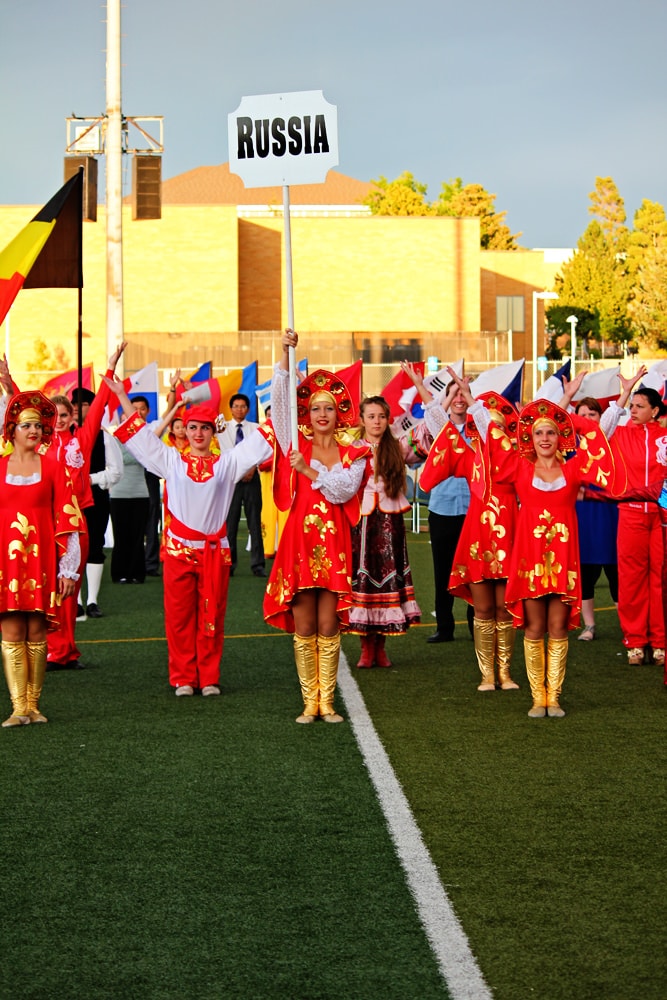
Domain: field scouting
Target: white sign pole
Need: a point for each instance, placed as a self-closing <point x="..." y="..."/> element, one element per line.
<point x="283" y="139"/>
<point x="294" y="423"/>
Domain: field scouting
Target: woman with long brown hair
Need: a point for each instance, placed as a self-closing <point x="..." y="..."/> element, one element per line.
<point x="383" y="597"/>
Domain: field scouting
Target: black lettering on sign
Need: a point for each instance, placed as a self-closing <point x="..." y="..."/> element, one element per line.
<point x="320" y="139"/>
<point x="262" y="137"/>
<point x="279" y="144"/>
<point x="293" y="126"/>
<point x="244" y="138"/>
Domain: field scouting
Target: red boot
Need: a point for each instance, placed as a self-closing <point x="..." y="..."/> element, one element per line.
<point x="381" y="658"/>
<point x="367" y="657"/>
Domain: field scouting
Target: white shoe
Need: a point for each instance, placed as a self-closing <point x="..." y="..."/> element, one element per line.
<point x="209" y="690"/>
<point x="184" y="689"/>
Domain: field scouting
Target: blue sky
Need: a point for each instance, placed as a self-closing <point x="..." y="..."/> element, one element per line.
<point x="532" y="100"/>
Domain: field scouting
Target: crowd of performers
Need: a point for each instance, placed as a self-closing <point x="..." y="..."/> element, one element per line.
<point x="507" y="490"/>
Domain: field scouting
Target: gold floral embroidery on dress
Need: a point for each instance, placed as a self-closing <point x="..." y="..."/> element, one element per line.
<point x="460" y="570"/>
<point x="23" y="549"/>
<point x="494" y="558"/>
<point x="547" y="571"/>
<point x="320" y="563"/>
<point x="491" y="515"/>
<point x="73" y="512"/>
<point x="200" y="467"/>
<point x="16" y="585"/>
<point x="571" y="579"/>
<point x="278" y="588"/>
<point x="474" y="550"/>
<point x="552" y="529"/>
<point x="315" y="521"/>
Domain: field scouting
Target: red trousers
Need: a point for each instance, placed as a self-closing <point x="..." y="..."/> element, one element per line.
<point x="61" y="643"/>
<point x="194" y="658"/>
<point x="640" y="558"/>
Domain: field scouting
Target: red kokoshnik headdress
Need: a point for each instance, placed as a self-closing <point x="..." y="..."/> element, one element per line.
<point x="543" y="410"/>
<point x="322" y="381"/>
<point x="502" y="412"/>
<point x="30" y="406"/>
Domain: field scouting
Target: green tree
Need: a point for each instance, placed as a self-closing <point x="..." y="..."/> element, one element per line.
<point x="608" y="208"/>
<point x="402" y="196"/>
<point x="407" y="196"/>
<point x="647" y="265"/>
<point x="473" y="200"/>
<point x="595" y="280"/>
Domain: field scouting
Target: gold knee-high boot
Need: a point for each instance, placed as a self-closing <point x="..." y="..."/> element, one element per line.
<point x="505" y="635"/>
<point x="556" y="664"/>
<point x="533" y="650"/>
<point x="328" y="651"/>
<point x="15" y="664"/>
<point x="36" y="671"/>
<point x="305" y="656"/>
<point x="484" y="633"/>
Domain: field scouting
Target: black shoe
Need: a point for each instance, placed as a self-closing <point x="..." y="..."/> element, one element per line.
<point x="93" y="611"/>
<point x="440" y="637"/>
<point x="80" y="613"/>
<point x="259" y="572"/>
<point x="75" y="665"/>
<point x="54" y="665"/>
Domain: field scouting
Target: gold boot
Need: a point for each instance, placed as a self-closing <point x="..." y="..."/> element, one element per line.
<point x="36" y="671"/>
<point x="533" y="651"/>
<point x="305" y="656"/>
<point x="556" y="664"/>
<point x="15" y="664"/>
<point x="505" y="635"/>
<point x="328" y="651"/>
<point x="484" y="633"/>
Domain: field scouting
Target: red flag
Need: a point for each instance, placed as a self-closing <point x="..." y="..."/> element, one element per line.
<point x="65" y="384"/>
<point x="396" y="387"/>
<point x="47" y="252"/>
<point x="351" y="376"/>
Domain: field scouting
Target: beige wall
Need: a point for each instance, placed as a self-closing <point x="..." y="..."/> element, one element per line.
<point x="507" y="272"/>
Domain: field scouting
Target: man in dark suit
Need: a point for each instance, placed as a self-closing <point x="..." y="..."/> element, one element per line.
<point x="248" y="492"/>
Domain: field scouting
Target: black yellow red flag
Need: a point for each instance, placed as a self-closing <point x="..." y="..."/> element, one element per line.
<point x="47" y="253"/>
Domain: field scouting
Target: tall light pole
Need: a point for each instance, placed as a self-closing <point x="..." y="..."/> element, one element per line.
<point x="114" y="175"/>
<point x="573" y="320"/>
<point x="536" y="296"/>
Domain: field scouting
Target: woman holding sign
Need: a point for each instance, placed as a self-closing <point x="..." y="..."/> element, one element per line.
<point x="309" y="592"/>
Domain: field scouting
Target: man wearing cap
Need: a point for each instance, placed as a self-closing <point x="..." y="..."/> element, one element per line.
<point x="197" y="558"/>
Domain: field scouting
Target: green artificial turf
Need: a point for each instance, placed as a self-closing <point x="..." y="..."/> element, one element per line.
<point x="157" y="847"/>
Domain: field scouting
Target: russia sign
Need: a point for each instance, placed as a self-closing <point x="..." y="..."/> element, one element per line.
<point x="283" y="139"/>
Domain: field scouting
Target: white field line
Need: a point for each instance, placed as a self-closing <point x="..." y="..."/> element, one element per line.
<point x="448" y="941"/>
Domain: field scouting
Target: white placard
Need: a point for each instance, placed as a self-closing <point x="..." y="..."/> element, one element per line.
<point x="283" y="139"/>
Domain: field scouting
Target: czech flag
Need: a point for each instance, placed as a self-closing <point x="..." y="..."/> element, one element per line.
<point x="47" y="252"/>
<point x="506" y="380"/>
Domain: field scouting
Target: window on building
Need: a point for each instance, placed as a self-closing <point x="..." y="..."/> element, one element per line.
<point x="510" y="313"/>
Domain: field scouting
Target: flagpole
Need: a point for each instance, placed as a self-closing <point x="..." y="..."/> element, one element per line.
<point x="294" y="424"/>
<point x="114" y="182"/>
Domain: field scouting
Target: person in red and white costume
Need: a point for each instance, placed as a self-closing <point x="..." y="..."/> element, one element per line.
<point x="641" y="446"/>
<point x="197" y="560"/>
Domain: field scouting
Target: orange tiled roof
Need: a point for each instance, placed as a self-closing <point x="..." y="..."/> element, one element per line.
<point x="217" y="186"/>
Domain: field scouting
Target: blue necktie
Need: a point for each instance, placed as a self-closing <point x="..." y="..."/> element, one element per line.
<point x="239" y="434"/>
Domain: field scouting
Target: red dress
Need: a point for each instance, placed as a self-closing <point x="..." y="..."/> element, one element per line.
<point x="544" y="558"/>
<point x="34" y="522"/>
<point x="315" y="548"/>
<point x="483" y="549"/>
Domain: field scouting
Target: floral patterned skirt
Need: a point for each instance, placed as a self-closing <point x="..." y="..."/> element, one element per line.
<point x="383" y="597"/>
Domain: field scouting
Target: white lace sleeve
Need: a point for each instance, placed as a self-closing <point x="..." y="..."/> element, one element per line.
<point x="70" y="559"/>
<point x="280" y="408"/>
<point x="435" y="417"/>
<point x="611" y="418"/>
<point x="338" y="484"/>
